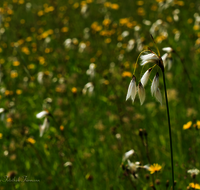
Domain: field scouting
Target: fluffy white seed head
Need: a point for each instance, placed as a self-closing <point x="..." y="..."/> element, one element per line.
<point x="151" y="57"/>
<point x="145" y="77"/>
<point x="42" y="114"/>
<point x="158" y="95"/>
<point x="133" y="166"/>
<point x="132" y="89"/>
<point x="44" y="126"/>
<point x="141" y="93"/>
<point x="155" y="84"/>
<point x="167" y="49"/>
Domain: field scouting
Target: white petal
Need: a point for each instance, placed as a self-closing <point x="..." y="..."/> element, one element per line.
<point x="42" y="114"/>
<point x="158" y="95"/>
<point x="155" y="84"/>
<point x="127" y="155"/>
<point x="145" y="77"/>
<point x="169" y="63"/>
<point x="167" y="49"/>
<point x="164" y="58"/>
<point x="151" y="57"/>
<point x="132" y="89"/>
<point x="141" y="92"/>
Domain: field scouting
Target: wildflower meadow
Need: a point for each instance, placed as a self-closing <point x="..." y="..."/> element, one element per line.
<point x="99" y="94"/>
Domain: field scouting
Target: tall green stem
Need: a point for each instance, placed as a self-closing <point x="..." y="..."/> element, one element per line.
<point x="170" y="134"/>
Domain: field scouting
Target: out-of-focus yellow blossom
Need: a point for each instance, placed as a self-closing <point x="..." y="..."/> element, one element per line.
<point x="140" y="3"/>
<point x="180" y="3"/>
<point x="96" y="27"/>
<point x="21" y="1"/>
<point x="74" y="90"/>
<point x="47" y="50"/>
<point x="123" y="21"/>
<point x="1" y="50"/>
<point x="2" y="61"/>
<point x="18" y="91"/>
<point x="40" y="13"/>
<point x="61" y="127"/>
<point x="187" y="125"/>
<point x="114" y="6"/>
<point x="141" y="11"/>
<point x="76" y="5"/>
<point x="107" y="4"/>
<point x="41" y="60"/>
<point x="155" y="168"/>
<point x="154" y="7"/>
<point x="28" y="39"/>
<point x="169" y="19"/>
<point x="31" y="66"/>
<point x="198" y="124"/>
<point x="13" y="74"/>
<point x="49" y="9"/>
<point x="89" y="1"/>
<point x="106" y="82"/>
<point x="92" y="60"/>
<point x="31" y="140"/>
<point x="107" y="40"/>
<point x="196" y="27"/>
<point x="25" y="50"/>
<point x="9" y="120"/>
<point x="6" y="24"/>
<point x="16" y="63"/>
<point x="1" y="135"/>
<point x="194" y="185"/>
<point x="126" y="74"/>
<point x="190" y="20"/>
<point x="106" y="22"/>
<point x="64" y="29"/>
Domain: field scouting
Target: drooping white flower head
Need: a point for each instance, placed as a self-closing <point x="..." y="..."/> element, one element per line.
<point x="132" y="89"/>
<point x="167" y="49"/>
<point x="127" y="155"/>
<point x="141" y="93"/>
<point x="164" y="58"/>
<point x="158" y="95"/>
<point x="155" y="84"/>
<point x="42" y="114"/>
<point x="151" y="57"/>
<point x="145" y="77"/>
<point x="44" y="126"/>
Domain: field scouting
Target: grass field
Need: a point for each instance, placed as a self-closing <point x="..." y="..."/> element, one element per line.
<point x="72" y="61"/>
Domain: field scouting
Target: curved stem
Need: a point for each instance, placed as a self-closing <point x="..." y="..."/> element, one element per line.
<point x="170" y="135"/>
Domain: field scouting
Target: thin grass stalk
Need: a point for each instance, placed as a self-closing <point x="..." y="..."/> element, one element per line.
<point x="170" y="134"/>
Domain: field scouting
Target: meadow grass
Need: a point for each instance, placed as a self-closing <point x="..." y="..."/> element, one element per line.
<point x="46" y="49"/>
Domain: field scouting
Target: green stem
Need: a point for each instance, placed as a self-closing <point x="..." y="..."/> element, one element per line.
<point x="170" y="134"/>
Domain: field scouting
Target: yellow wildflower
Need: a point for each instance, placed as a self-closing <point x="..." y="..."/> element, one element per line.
<point x="64" y="29"/>
<point x="1" y="135"/>
<point x="155" y="168"/>
<point x="13" y="74"/>
<point x="31" y="140"/>
<point x="198" y="124"/>
<point x="114" y="6"/>
<point x="126" y="74"/>
<point x="16" y="63"/>
<point x="18" y="91"/>
<point x="61" y="127"/>
<point x="187" y="125"/>
<point x="74" y="90"/>
<point x="9" y="120"/>
<point x="194" y="185"/>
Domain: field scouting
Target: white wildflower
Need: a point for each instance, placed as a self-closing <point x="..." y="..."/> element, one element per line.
<point x="155" y="84"/>
<point x="133" y="166"/>
<point x="145" y="77"/>
<point x="151" y="57"/>
<point x="158" y="95"/>
<point x="42" y="114"/>
<point x="132" y="89"/>
<point x="44" y="126"/>
<point x="141" y="93"/>
<point x="164" y="58"/>
<point x="167" y="49"/>
<point x="193" y="171"/>
<point x="127" y="155"/>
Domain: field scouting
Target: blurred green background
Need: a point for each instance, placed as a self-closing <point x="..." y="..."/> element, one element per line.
<point x="76" y="59"/>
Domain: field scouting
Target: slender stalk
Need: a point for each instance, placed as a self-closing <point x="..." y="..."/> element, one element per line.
<point x="170" y="135"/>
